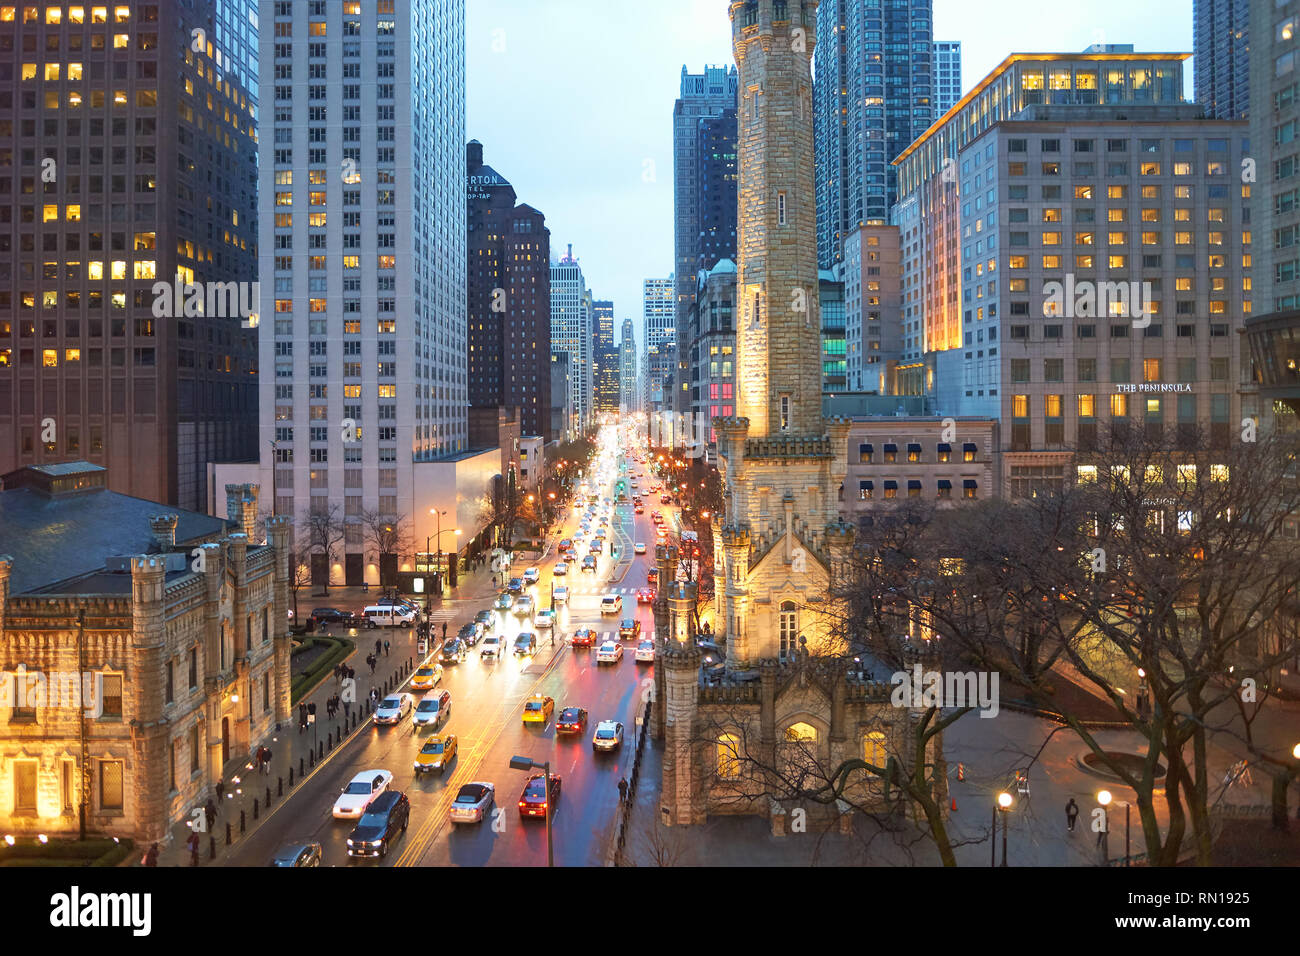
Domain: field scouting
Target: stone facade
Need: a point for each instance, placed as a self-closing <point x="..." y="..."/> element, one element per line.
<point x="193" y="652"/>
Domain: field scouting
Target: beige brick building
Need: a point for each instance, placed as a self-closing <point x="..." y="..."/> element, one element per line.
<point x="173" y="627"/>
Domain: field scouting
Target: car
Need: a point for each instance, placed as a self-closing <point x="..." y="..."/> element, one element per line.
<point x="297" y="854"/>
<point x="640" y="509"/>
<point x="645" y="652"/>
<point x="645" y="595"/>
<point x="560" y="594"/>
<point x="538" y="709"/>
<point x="362" y="789"/>
<point x="432" y="710"/>
<point x="472" y="802"/>
<point x="515" y="586"/>
<point x="385" y="818"/>
<point x="583" y="637"/>
<point x="657" y="517"/>
<point x="493" y="646"/>
<point x="589" y="563"/>
<point x="525" y="644"/>
<point x="611" y="604"/>
<point x="470" y="633"/>
<point x="666" y="499"/>
<point x="524" y="606"/>
<point x="488" y="620"/>
<point x="394" y="708"/>
<point x="532" y="575"/>
<point x="533" y="802"/>
<point x="611" y="652"/>
<point x="426" y="677"/>
<point x="608" y="736"/>
<point x="572" y="720"/>
<point x="652" y="576"/>
<point x="504" y="601"/>
<point x="454" y="651"/>
<point x="331" y="615"/>
<point x="561" y="569"/>
<point x="437" y="754"/>
<point x="597" y="547"/>
<point x="638" y="548"/>
<point x="545" y="619"/>
<point x="390" y="615"/>
<point x="630" y="629"/>
<point x="566" y="545"/>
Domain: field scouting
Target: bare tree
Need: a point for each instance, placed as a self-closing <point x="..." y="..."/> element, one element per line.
<point x="324" y="527"/>
<point x="387" y="535"/>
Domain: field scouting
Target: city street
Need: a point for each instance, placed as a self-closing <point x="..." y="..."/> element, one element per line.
<point x="487" y="703"/>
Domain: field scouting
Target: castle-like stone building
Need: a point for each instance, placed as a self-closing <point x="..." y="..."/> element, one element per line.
<point x="140" y="651"/>
<point x="788" y="702"/>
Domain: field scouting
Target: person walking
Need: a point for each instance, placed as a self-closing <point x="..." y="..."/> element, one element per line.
<point x="1071" y="814"/>
<point x="221" y="790"/>
<point x="444" y="632"/>
<point x="192" y="844"/>
<point x="209" y="813"/>
<point x="622" y="790"/>
<point x="378" y="644"/>
<point x="150" y="856"/>
<point x="385" y="648"/>
<point x="373" y="663"/>
<point x="257" y="759"/>
<point x="266" y="761"/>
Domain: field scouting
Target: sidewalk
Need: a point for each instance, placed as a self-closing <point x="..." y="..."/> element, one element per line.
<point x="295" y="754"/>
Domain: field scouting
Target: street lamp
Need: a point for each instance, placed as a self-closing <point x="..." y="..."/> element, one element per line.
<point x="524" y="763"/>
<point x="1104" y="798"/>
<point x="1003" y="808"/>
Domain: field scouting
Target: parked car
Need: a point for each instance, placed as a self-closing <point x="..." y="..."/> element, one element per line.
<point x="390" y="615"/>
<point x="360" y="791"/>
<point x="630" y="629"/>
<point x="608" y="736"/>
<point x="331" y="615"/>
<point x="437" y="754"/>
<point x="297" y="854"/>
<point x="472" y="802"/>
<point x="394" y="708"/>
<point x="525" y="643"/>
<point x="385" y="818"/>
<point x="432" y="710"/>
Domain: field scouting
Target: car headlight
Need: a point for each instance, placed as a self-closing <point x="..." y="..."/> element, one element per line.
<point x="350" y="843"/>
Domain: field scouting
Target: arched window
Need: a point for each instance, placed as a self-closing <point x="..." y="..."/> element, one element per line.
<point x="801" y="733"/>
<point x="789" y="630"/>
<point x="873" y="748"/>
<point x="728" y="753"/>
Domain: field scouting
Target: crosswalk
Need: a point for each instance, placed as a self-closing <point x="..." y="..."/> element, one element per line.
<point x="584" y="592"/>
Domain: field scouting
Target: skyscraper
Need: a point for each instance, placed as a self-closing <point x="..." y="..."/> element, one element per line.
<point x="947" y="75"/>
<point x="627" y="370"/>
<point x="571" y="330"/>
<point x="874" y="95"/>
<point x="134" y="347"/>
<point x="509" y="310"/>
<point x="704" y="175"/>
<point x="362" y="241"/>
<point x="658" y="313"/>
<point x="1221" y="56"/>
<point x="606" y="372"/>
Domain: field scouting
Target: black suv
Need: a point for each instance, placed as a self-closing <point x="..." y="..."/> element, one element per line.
<point x="386" y="816"/>
<point x="453" y="652"/>
<point x="330" y="615"/>
<point x="470" y="633"/>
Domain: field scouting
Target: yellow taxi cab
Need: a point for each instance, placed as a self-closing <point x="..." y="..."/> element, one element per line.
<point x="438" y="751"/>
<point x="538" y="709"/>
<point x="426" y="677"/>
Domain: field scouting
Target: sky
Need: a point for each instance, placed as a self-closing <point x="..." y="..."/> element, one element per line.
<point x="573" y="102"/>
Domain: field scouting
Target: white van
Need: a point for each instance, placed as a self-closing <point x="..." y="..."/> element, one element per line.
<point x="385" y="615"/>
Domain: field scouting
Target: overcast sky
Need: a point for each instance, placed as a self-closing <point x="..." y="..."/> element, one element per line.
<point x="573" y="102"/>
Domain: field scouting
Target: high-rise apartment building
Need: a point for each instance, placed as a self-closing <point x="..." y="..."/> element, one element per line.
<point x="947" y="75"/>
<point x="704" y="185"/>
<point x="128" y="247"/>
<point x="1221" y="56"/>
<point x="363" y="263"/>
<point x="872" y="309"/>
<point x="1096" y="261"/>
<point x="571" y="331"/>
<point x="874" y="95"/>
<point x="1274" y="331"/>
<point x="509" y="301"/>
<point x="627" y="378"/>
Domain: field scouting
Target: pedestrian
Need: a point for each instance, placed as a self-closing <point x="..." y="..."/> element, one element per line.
<point x="444" y="632"/>
<point x="210" y="813"/>
<point x="1071" y="814"/>
<point x="622" y="790"/>
<point x="372" y="662"/>
<point x="257" y="759"/>
<point x="385" y="648"/>
<point x="221" y="790"/>
<point x="266" y="761"/>
<point x="377" y="645"/>
<point x="151" y="856"/>
<point x="192" y="844"/>
<point x="352" y="675"/>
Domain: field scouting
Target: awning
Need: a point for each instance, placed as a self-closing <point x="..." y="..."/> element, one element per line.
<point x="944" y="446"/>
<point x="913" y="484"/>
<point x="945" y="483"/>
<point x="970" y="446"/>
<point x="866" y="449"/>
<point x="970" y="483"/>
<point x="913" y="446"/>
<point x="866" y="485"/>
<point x="891" y="485"/>
<point x="891" y="447"/>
